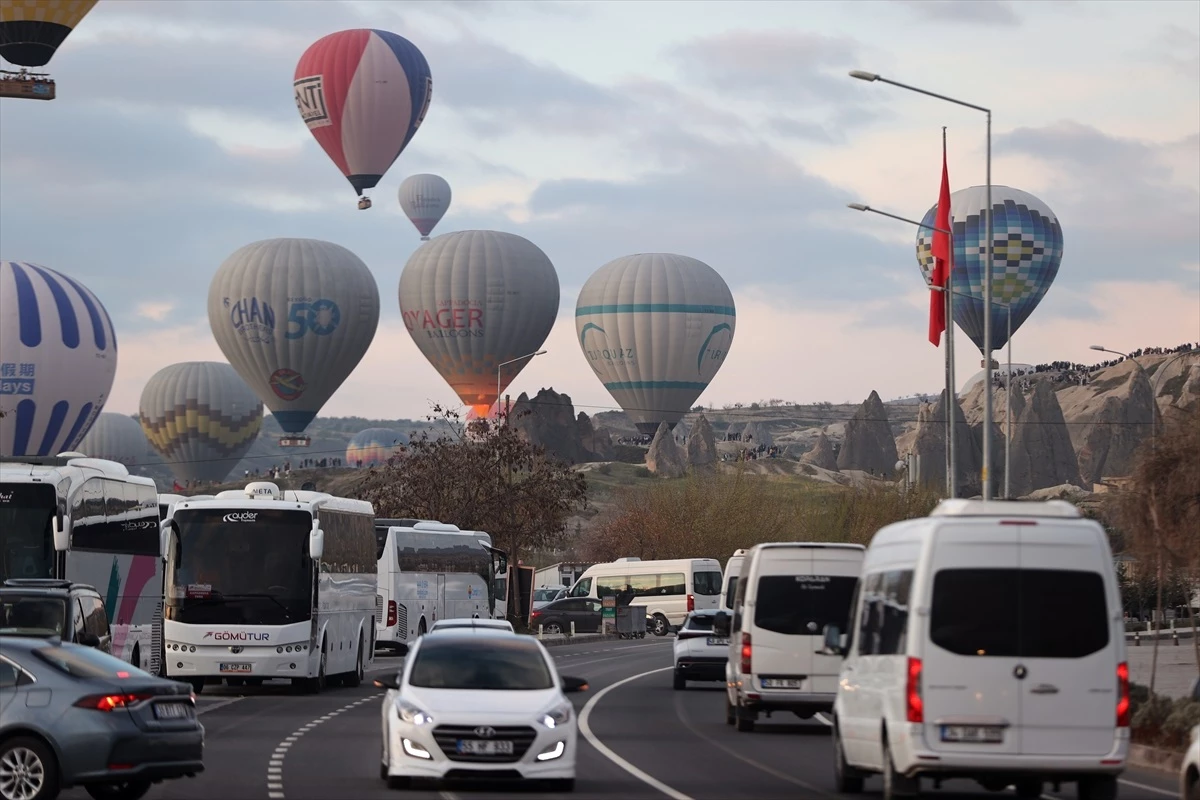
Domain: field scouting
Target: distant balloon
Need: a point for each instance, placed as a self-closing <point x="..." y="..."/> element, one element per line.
<point x="374" y="446"/>
<point x="655" y="329"/>
<point x="117" y="437"/>
<point x="58" y="356"/>
<point x="424" y="200"/>
<point x="327" y="304"/>
<point x="363" y="93"/>
<point x="31" y="31"/>
<point x="201" y="418"/>
<point x="472" y="300"/>
<point x="1026" y="255"/>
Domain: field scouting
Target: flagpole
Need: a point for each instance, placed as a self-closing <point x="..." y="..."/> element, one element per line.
<point x="951" y="393"/>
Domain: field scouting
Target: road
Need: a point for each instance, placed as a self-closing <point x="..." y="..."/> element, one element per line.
<point x="269" y="744"/>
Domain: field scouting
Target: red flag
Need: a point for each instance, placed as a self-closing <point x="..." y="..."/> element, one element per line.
<point x="176" y="487"/>
<point x="943" y="257"/>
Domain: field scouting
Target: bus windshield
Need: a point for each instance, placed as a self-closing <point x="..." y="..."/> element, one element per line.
<point x="243" y="567"/>
<point x="27" y="543"/>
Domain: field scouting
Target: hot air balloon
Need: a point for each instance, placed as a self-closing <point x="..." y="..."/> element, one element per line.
<point x="472" y="300"/>
<point x="201" y="418"/>
<point x="117" y="437"/>
<point x="374" y="446"/>
<point x="1026" y="253"/>
<point x="424" y="200"/>
<point x="294" y="317"/>
<point x="363" y="93"/>
<point x="655" y="328"/>
<point x="31" y="31"/>
<point x="58" y="356"/>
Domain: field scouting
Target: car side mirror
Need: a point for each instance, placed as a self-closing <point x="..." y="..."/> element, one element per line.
<point x="570" y="684"/>
<point x="88" y="640"/>
<point x="387" y="682"/>
<point x="316" y="543"/>
<point x="721" y="623"/>
<point x="833" y="641"/>
<point x="61" y="538"/>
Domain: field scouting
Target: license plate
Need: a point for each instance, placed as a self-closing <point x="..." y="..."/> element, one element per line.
<point x="984" y="734"/>
<point x="170" y="711"/>
<point x="235" y="668"/>
<point x="718" y="640"/>
<point x="485" y="747"/>
<point x="782" y="683"/>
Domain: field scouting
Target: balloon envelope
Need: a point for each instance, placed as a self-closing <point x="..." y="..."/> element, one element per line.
<point x="31" y="31"/>
<point x="374" y="446"/>
<point x="294" y="317"/>
<point x="201" y="418"/>
<point x="472" y="300"/>
<point x="1027" y="250"/>
<point x="655" y="329"/>
<point x="117" y="437"/>
<point x="58" y="356"/>
<point x="424" y="200"/>
<point x="363" y="93"/>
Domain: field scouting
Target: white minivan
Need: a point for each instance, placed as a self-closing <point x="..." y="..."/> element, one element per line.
<point x="669" y="589"/>
<point x="786" y="595"/>
<point x="987" y="643"/>
<point x="733" y="568"/>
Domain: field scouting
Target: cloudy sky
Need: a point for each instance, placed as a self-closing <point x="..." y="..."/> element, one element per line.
<point x="724" y="131"/>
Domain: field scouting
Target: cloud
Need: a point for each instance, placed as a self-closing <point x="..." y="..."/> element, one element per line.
<point x="155" y="311"/>
<point x="972" y="12"/>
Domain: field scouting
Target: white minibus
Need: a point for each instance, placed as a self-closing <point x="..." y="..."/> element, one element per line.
<point x="669" y="589"/>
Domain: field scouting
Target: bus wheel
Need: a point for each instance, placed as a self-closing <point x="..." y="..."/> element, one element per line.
<point x="197" y="685"/>
<point x="319" y="683"/>
<point x="356" y="678"/>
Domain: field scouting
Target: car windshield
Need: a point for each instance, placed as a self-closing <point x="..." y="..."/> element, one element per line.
<point x="27" y="544"/>
<point x="88" y="662"/>
<point x="32" y="615"/>
<point x="707" y="583"/>
<point x="486" y="664"/>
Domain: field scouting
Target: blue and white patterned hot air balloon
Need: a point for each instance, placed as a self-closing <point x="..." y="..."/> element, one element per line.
<point x="58" y="356"/>
<point x="1027" y="250"/>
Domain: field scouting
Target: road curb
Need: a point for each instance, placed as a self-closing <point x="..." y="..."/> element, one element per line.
<point x="584" y="638"/>
<point x="1141" y="755"/>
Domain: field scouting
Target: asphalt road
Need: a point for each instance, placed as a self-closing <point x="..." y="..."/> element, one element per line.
<point x="268" y="744"/>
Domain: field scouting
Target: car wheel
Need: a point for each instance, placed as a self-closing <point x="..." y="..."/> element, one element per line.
<point x="552" y="628"/>
<point x="121" y="790"/>
<point x="730" y="716"/>
<point x="745" y="718"/>
<point x="197" y="685"/>
<point x="680" y="681"/>
<point x="28" y="770"/>
<point x="846" y="779"/>
<point x="1100" y="788"/>
<point x="660" y="625"/>
<point x="1028" y="789"/>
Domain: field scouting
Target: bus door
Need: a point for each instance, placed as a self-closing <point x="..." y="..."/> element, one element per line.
<point x="440" y="608"/>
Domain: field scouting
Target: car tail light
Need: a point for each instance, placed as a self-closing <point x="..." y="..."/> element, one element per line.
<point x="534" y="614"/>
<point x="391" y="619"/>
<point x="691" y="602"/>
<point x="747" y="652"/>
<point x="112" y="702"/>
<point x="912" y="693"/>
<point x="1123" y="703"/>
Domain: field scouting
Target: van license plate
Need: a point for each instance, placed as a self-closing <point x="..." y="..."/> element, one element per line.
<point x="170" y="711"/>
<point x="235" y="668"/>
<point x="782" y="683"/>
<point x="485" y="747"/>
<point x="718" y="640"/>
<point x="984" y="734"/>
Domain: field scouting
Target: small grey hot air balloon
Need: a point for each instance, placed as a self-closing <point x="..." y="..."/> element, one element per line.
<point x="294" y="317"/>
<point x="201" y="417"/>
<point x="474" y="299"/>
<point x="117" y="437"/>
<point x="655" y="329"/>
<point x="424" y="199"/>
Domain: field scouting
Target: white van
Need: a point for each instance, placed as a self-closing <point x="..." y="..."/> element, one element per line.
<point x="786" y="595"/>
<point x="668" y="589"/>
<point x="987" y="643"/>
<point x="733" y="568"/>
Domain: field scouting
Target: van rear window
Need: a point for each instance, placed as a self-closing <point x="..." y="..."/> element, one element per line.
<point x="707" y="583"/>
<point x="802" y="605"/>
<point x="1031" y="613"/>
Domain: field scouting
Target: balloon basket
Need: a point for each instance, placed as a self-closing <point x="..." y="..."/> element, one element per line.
<point x="364" y="203"/>
<point x="26" y="85"/>
<point x="294" y="441"/>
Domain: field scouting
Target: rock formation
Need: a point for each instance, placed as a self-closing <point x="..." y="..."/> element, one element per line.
<point x="1042" y="455"/>
<point x="756" y="433"/>
<point x="664" y="458"/>
<point x="822" y="455"/>
<point x="549" y="420"/>
<point x="869" y="445"/>
<point x="595" y="442"/>
<point x="1117" y="422"/>
<point x="930" y="446"/>
<point x="701" y="446"/>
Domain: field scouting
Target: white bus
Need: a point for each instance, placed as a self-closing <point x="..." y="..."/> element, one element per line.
<point x="88" y="520"/>
<point x="165" y="501"/>
<point x="429" y="571"/>
<point x="263" y="584"/>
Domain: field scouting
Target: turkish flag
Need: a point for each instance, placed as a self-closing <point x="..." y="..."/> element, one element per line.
<point x="943" y="259"/>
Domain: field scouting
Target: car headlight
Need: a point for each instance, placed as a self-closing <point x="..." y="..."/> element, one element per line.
<point x="558" y="714"/>
<point x="412" y="714"/>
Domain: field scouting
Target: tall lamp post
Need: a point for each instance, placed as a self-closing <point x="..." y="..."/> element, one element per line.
<point x="872" y="77"/>
<point x="501" y="366"/>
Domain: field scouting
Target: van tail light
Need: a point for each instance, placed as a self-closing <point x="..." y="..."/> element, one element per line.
<point x="747" y="651"/>
<point x="912" y="693"/>
<point x="112" y="702"/>
<point x="1123" y="702"/>
<point x="391" y="613"/>
<point x="691" y="602"/>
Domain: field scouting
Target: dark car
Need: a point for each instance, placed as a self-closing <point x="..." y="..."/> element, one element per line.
<point x="46" y="607"/>
<point x="74" y="716"/>
<point x="556" y="617"/>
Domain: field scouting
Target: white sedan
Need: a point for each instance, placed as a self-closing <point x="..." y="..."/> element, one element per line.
<point x="474" y="622"/>
<point x="478" y="704"/>
<point x="700" y="655"/>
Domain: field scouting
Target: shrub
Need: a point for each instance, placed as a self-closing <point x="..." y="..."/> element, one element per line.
<point x="1177" y="728"/>
<point x="1159" y="721"/>
<point x="643" y="472"/>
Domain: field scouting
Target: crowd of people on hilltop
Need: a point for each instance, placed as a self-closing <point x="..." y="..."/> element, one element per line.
<point x="1073" y="372"/>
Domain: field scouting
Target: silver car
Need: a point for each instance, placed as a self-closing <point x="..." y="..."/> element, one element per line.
<point x="74" y="716"/>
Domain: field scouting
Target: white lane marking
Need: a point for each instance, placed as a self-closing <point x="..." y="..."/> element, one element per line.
<point x="586" y="729"/>
<point x="448" y="795"/>
<point x="1146" y="788"/>
<point x="275" y="764"/>
<point x="227" y="701"/>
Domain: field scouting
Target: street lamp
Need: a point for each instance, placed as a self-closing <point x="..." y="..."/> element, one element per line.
<point x="501" y="366"/>
<point x="872" y="77"/>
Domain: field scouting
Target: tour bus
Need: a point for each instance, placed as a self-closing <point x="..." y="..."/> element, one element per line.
<point x="87" y="520"/>
<point x="430" y="571"/>
<point x="265" y="584"/>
